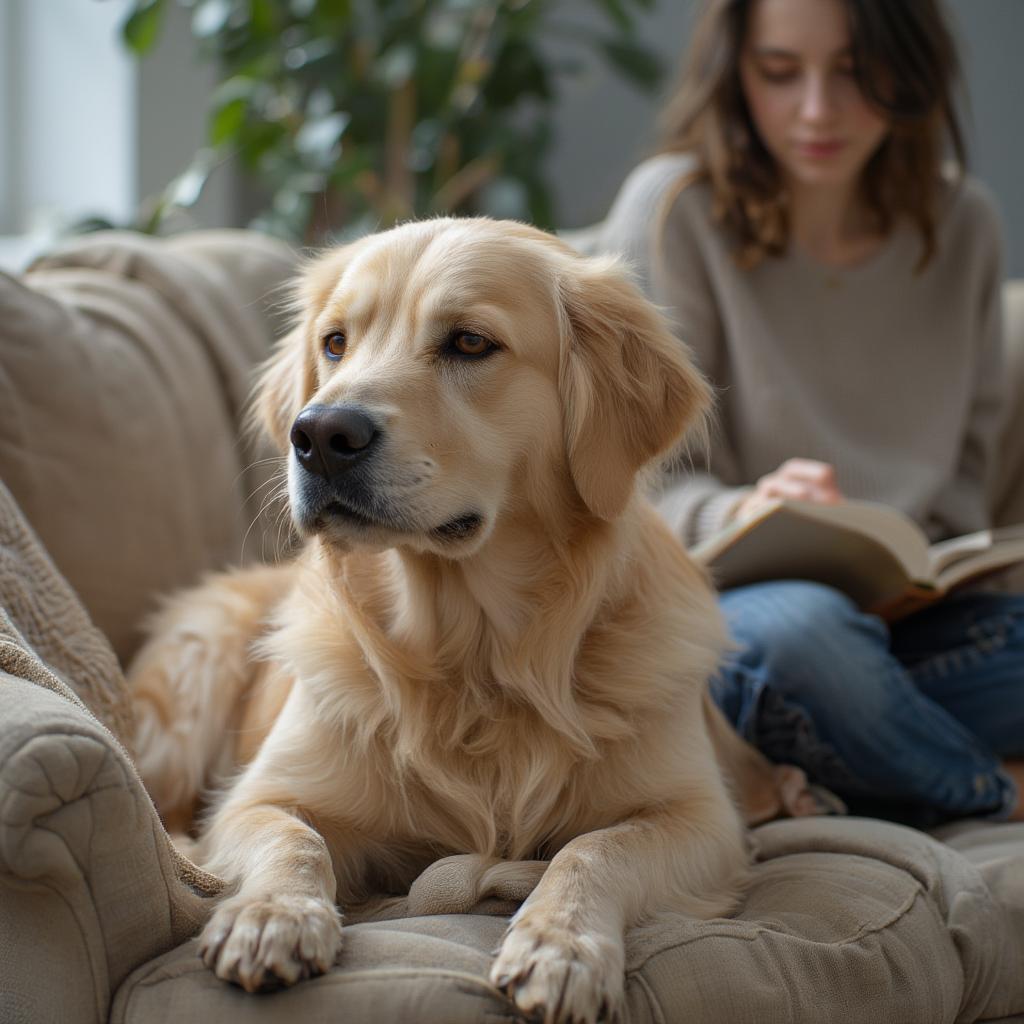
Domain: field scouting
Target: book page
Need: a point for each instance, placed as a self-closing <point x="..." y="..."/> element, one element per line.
<point x="888" y="527"/>
<point x="963" y="558"/>
<point x="948" y="552"/>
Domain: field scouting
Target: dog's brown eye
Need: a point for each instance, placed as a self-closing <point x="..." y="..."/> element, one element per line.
<point x="472" y="346"/>
<point x="334" y="345"/>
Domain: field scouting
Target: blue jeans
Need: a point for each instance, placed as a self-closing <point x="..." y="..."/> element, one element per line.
<point x="907" y="722"/>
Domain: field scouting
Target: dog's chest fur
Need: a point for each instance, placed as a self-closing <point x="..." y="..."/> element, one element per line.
<point x="496" y="780"/>
<point x="434" y="738"/>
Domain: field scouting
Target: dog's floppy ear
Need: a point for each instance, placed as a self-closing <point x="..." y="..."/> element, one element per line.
<point x="629" y="389"/>
<point x="286" y="381"/>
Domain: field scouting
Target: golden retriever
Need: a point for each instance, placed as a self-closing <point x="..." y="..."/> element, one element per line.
<point x="489" y="645"/>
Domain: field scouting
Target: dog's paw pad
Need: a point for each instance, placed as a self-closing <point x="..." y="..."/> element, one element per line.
<point x="560" y="975"/>
<point x="266" y="943"/>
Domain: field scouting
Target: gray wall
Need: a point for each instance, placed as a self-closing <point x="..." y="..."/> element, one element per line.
<point x="605" y="127"/>
<point x="991" y="39"/>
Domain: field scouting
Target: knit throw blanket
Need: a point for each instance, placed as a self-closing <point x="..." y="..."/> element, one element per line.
<point x="47" y="638"/>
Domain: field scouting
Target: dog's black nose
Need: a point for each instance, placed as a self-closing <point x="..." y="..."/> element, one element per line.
<point x="328" y="439"/>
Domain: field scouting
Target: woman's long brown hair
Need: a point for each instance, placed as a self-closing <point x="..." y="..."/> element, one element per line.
<point x="906" y="66"/>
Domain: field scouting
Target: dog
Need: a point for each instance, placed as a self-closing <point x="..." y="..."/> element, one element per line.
<point x="489" y="644"/>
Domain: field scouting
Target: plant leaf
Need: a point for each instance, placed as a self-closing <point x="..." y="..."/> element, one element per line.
<point x="227" y="121"/>
<point x="228" y="108"/>
<point x="142" y="27"/>
<point x="307" y="98"/>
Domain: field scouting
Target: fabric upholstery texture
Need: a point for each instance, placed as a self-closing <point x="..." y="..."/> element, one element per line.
<point x="46" y="635"/>
<point x="124" y="366"/>
<point x="124" y="369"/>
<point x="47" y="639"/>
<point x="89" y="887"/>
<point x="847" y="921"/>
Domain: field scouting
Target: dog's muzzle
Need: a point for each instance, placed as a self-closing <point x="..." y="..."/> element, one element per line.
<point x="334" y="447"/>
<point x="329" y="440"/>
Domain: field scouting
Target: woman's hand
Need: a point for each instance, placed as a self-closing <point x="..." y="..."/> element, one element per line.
<point x="795" y="479"/>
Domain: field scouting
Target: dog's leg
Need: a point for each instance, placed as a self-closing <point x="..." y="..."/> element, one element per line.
<point x="563" y="956"/>
<point x="282" y="924"/>
<point x="764" y="790"/>
<point x="750" y="773"/>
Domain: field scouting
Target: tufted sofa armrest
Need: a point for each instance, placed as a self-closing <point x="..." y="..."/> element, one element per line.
<point x="88" y="884"/>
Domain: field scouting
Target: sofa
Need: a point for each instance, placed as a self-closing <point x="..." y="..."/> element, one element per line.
<point x="124" y="367"/>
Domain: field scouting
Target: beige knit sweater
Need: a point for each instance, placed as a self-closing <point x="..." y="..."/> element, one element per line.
<point x="893" y="376"/>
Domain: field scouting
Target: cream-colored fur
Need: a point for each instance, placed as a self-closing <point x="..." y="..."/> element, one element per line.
<point x="534" y="687"/>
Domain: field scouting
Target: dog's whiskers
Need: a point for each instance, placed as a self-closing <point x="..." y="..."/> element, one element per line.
<point x="260" y="462"/>
<point x="282" y="521"/>
<point x="266" y="483"/>
<point x="276" y="495"/>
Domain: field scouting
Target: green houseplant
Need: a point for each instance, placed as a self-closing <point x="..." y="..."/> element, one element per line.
<point x="360" y="113"/>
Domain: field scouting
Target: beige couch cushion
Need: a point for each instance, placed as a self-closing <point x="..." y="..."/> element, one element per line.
<point x="848" y="921"/>
<point x="128" y="351"/>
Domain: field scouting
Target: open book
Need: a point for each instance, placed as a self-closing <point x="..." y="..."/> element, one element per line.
<point x="875" y="554"/>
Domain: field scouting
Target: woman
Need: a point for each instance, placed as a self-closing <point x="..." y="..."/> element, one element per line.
<point x="842" y="291"/>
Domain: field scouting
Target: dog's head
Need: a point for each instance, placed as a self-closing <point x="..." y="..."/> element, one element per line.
<point x="447" y="371"/>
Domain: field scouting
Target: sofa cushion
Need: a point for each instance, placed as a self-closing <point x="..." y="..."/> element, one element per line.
<point x="125" y="363"/>
<point x="848" y="920"/>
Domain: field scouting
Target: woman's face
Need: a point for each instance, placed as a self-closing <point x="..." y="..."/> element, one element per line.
<point x="797" y="74"/>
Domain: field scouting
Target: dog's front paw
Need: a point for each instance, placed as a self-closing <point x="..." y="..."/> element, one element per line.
<point x="269" y="942"/>
<point x="559" y="974"/>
